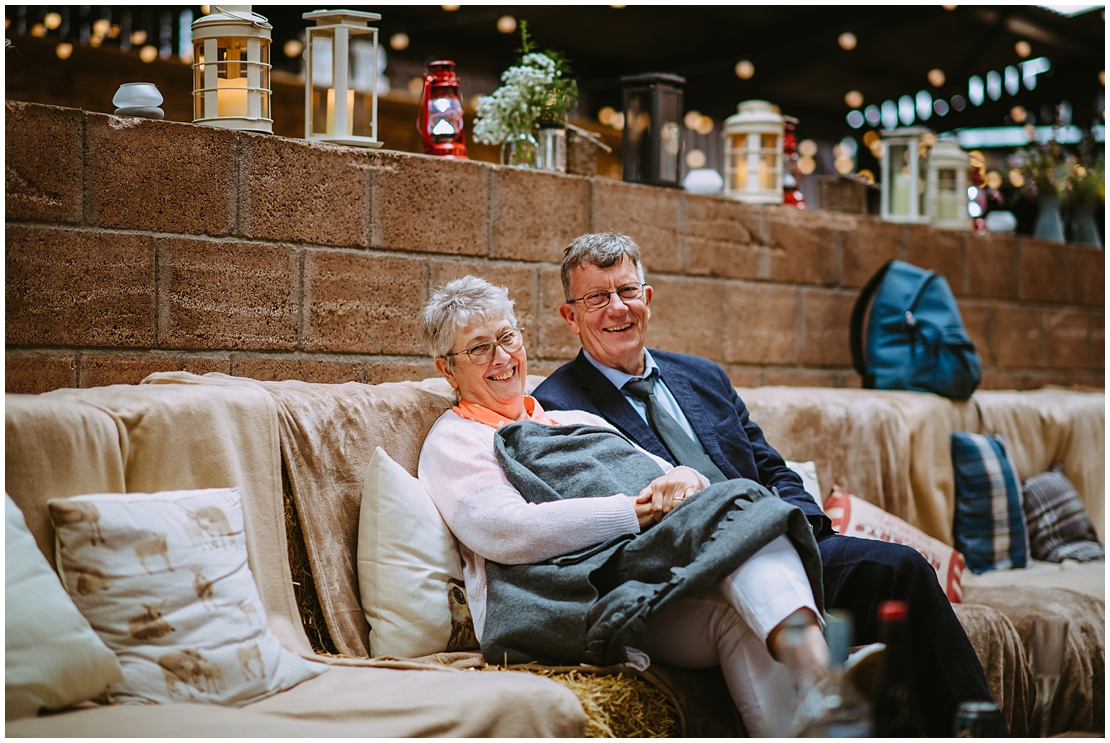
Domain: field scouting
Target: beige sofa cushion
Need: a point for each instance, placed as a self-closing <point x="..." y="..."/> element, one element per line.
<point x="164" y="580"/>
<point x="52" y="657"/>
<point x="409" y="572"/>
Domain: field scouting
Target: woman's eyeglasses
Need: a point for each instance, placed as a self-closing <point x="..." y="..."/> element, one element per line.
<point x="482" y="353"/>
<point x="599" y="299"/>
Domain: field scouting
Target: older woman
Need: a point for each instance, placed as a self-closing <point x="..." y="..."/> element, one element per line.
<point x="470" y="329"/>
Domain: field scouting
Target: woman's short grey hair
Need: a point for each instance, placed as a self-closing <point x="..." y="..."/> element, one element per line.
<point x="601" y="249"/>
<point x="458" y="304"/>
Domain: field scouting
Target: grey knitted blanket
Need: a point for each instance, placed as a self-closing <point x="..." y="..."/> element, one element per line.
<point x="588" y="606"/>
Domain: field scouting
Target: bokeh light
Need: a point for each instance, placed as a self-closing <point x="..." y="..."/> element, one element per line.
<point x="1017" y="180"/>
<point x="936" y="77"/>
<point x="806" y="165"/>
<point x="847" y="40"/>
<point x="745" y="69"/>
<point x="399" y="41"/>
<point x="1023" y="49"/>
<point x="148" y="53"/>
<point x="101" y="27"/>
<point x="844" y="164"/>
<point x="506" y="24"/>
<point x="63" y="50"/>
<point x="807" y="148"/>
<point x="853" y="98"/>
<point x="38" y="30"/>
<point x="138" y="37"/>
<point x="695" y="159"/>
<point x="293" y="48"/>
<point x="52" y="20"/>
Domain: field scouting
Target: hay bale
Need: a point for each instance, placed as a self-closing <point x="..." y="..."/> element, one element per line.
<point x="616" y="705"/>
<point x="304" y="586"/>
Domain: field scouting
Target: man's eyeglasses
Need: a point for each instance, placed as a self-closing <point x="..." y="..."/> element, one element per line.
<point x="599" y="299"/>
<point x="482" y="353"/>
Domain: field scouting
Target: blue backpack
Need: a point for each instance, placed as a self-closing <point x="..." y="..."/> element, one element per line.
<point x="915" y="335"/>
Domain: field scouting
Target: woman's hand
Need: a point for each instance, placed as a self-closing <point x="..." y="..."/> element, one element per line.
<point x="666" y="492"/>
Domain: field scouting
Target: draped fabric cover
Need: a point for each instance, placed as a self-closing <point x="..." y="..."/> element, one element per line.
<point x="589" y="605"/>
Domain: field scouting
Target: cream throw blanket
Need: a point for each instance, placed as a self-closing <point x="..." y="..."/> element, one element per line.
<point x="181" y="431"/>
<point x="893" y="448"/>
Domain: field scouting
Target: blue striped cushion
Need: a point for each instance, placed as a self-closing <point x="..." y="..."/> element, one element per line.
<point x="989" y="525"/>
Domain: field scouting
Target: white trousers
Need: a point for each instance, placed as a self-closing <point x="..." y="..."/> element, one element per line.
<point x="728" y="626"/>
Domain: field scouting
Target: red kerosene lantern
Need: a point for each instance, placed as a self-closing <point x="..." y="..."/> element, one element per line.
<point x="440" y="116"/>
<point x="791" y="175"/>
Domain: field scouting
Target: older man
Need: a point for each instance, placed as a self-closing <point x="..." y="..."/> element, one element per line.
<point x="683" y="408"/>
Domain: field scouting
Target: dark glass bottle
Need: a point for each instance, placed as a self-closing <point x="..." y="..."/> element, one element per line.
<point x="896" y="712"/>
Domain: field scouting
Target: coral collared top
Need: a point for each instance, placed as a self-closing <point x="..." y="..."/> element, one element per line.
<point x="480" y="414"/>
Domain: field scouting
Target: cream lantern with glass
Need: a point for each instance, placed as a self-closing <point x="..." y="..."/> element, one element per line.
<point x="905" y="153"/>
<point x="753" y="153"/>
<point x="946" y="185"/>
<point x="231" y="69"/>
<point x="341" y="78"/>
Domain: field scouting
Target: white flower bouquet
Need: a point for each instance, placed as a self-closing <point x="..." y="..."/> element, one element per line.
<point x="536" y="90"/>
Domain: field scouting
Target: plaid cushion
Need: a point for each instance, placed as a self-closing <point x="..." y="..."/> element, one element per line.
<point x="1059" y="527"/>
<point x="989" y="525"/>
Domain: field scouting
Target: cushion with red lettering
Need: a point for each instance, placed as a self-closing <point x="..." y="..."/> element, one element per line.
<point x="855" y="517"/>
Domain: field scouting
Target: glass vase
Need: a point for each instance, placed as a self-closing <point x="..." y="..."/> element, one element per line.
<point x="1050" y="225"/>
<point x="519" y="150"/>
<point x="552" y="153"/>
<point x="1083" y="227"/>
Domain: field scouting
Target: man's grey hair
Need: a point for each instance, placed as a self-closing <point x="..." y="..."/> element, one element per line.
<point x="458" y="304"/>
<point x="601" y="249"/>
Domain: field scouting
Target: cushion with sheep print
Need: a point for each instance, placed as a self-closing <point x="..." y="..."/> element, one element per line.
<point x="163" y="579"/>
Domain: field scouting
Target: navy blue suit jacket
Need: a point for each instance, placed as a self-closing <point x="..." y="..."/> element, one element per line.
<point x="715" y="412"/>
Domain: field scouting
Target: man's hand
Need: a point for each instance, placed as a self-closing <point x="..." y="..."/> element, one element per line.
<point x="666" y="492"/>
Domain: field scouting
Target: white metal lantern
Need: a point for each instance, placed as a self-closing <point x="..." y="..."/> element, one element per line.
<point x="753" y="153"/>
<point x="231" y="69"/>
<point x="341" y="54"/>
<point x="946" y="185"/>
<point x="905" y="152"/>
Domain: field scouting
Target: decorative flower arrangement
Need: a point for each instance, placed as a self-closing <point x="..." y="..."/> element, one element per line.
<point x="1044" y="167"/>
<point x="1086" y="180"/>
<point x="538" y="90"/>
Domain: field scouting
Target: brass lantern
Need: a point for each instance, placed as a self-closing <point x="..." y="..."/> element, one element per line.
<point x="946" y="184"/>
<point x="753" y="153"/>
<point x="231" y="69"/>
<point x="341" y="78"/>
<point x="905" y="153"/>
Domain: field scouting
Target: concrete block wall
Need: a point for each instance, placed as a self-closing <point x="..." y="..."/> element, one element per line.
<point x="137" y="246"/>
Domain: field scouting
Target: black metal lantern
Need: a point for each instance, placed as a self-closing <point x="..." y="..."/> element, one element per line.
<point x="652" y="128"/>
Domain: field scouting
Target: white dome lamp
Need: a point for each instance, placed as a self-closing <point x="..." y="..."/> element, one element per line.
<point x="231" y="69"/>
<point x="753" y="153"/>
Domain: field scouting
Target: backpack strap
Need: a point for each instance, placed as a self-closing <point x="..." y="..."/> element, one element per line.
<point x="855" y="331"/>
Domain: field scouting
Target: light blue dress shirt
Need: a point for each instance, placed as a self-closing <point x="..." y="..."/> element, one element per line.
<point x="666" y="399"/>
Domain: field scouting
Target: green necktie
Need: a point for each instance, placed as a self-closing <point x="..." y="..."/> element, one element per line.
<point x="683" y="448"/>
